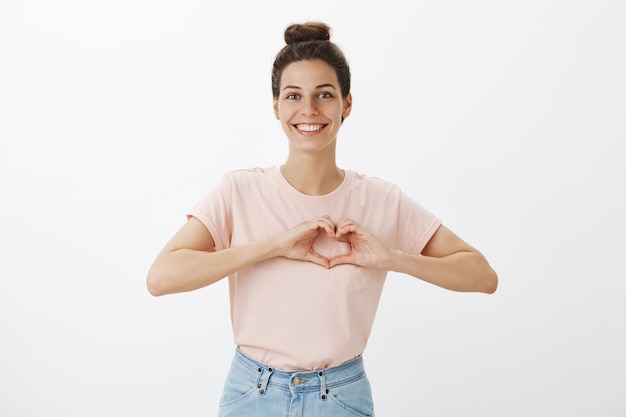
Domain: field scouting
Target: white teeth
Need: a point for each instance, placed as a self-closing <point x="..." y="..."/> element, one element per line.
<point x="309" y="128"/>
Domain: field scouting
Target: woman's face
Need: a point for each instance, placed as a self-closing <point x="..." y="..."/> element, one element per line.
<point x="309" y="105"/>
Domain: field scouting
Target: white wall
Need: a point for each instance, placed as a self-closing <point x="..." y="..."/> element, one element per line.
<point x="503" y="118"/>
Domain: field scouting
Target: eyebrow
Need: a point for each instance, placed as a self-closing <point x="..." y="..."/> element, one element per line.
<point x="319" y="86"/>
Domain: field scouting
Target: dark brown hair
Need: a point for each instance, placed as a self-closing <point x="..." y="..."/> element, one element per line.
<point x="309" y="41"/>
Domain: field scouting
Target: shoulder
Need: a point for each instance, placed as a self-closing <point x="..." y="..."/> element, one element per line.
<point x="360" y="181"/>
<point x="248" y="176"/>
<point x="251" y="174"/>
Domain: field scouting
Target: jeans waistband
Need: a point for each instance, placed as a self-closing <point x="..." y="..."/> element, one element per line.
<point x="317" y="380"/>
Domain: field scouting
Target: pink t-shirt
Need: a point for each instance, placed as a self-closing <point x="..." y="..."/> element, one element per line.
<point x="297" y="315"/>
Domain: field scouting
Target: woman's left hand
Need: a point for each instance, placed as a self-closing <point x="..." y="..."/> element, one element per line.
<point x="366" y="250"/>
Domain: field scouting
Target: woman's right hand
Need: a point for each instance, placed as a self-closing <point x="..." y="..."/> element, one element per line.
<point x="297" y="243"/>
<point x="189" y="260"/>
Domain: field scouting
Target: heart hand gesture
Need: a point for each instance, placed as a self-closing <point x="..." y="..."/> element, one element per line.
<point x="365" y="248"/>
<point x="297" y="243"/>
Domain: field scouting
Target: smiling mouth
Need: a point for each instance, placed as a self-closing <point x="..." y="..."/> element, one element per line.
<point x="309" y="128"/>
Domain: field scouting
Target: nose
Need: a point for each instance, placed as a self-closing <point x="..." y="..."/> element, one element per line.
<point x="309" y="107"/>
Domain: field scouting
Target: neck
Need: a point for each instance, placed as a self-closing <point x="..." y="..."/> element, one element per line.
<point x="312" y="176"/>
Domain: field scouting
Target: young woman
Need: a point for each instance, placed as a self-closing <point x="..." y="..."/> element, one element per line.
<point x="306" y="247"/>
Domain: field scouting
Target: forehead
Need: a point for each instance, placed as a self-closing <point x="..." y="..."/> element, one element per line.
<point x="308" y="74"/>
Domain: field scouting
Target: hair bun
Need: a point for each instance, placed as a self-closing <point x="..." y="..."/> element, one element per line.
<point x="310" y="31"/>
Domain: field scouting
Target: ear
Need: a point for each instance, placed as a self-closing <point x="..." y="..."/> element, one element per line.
<point x="347" y="105"/>
<point x="275" y="105"/>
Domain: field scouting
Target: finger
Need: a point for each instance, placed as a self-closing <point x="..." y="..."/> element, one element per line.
<point x="341" y="260"/>
<point x="318" y="259"/>
<point x="345" y="229"/>
<point x="327" y="224"/>
<point x="346" y="221"/>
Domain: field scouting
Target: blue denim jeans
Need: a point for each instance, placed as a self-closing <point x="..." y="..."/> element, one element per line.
<point x="257" y="390"/>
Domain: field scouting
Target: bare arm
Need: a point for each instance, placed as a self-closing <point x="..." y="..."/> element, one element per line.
<point x="189" y="260"/>
<point x="449" y="262"/>
<point x="446" y="261"/>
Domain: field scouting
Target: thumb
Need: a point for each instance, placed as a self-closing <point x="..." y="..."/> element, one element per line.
<point x="341" y="260"/>
<point x="318" y="259"/>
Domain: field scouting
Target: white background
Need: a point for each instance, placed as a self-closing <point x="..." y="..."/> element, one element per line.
<point x="505" y="118"/>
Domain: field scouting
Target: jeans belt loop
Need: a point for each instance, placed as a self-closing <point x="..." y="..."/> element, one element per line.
<point x="323" y="390"/>
<point x="265" y="379"/>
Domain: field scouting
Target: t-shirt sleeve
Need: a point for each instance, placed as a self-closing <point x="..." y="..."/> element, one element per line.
<point x="214" y="210"/>
<point x="416" y="225"/>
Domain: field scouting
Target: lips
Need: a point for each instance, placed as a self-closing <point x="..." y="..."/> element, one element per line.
<point x="310" y="128"/>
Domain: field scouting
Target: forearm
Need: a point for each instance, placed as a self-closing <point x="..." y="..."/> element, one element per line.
<point x="183" y="270"/>
<point x="460" y="271"/>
